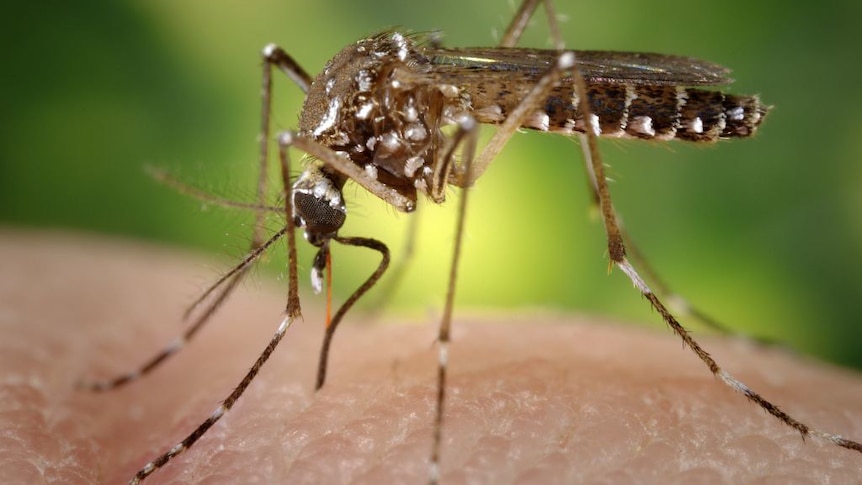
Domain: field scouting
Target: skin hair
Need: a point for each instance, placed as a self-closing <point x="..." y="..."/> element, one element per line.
<point x="533" y="397"/>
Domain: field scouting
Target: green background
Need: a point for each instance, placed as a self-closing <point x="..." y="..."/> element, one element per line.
<point x="764" y="234"/>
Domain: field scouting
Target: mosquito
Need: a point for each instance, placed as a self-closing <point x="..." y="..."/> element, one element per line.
<point x="398" y="114"/>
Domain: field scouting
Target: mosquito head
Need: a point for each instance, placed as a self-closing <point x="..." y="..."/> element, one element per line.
<point x="318" y="205"/>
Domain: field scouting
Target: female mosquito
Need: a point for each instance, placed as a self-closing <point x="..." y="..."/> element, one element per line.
<point x="397" y="114"/>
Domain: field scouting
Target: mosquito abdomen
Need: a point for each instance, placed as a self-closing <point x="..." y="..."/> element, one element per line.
<point x="660" y="112"/>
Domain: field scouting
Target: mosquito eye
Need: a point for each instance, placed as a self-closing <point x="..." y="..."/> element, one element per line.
<point x="319" y="216"/>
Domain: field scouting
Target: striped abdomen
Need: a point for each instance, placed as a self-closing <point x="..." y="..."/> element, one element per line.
<point x="636" y="111"/>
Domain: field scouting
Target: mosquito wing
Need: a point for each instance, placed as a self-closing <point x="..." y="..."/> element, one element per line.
<point x="606" y="67"/>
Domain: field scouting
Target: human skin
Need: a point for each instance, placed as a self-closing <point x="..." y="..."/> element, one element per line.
<point x="533" y="398"/>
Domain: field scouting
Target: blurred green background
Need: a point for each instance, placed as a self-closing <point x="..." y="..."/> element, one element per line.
<point x="764" y="234"/>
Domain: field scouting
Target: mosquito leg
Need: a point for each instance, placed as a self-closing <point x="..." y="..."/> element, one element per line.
<point x="291" y="312"/>
<point x="224" y="407"/>
<point x="526" y="108"/>
<point x="273" y="56"/>
<point x="682" y="306"/>
<point x="617" y="254"/>
<point x="226" y="282"/>
<point x="464" y="177"/>
<point x="522" y="17"/>
<point x="678" y="303"/>
<point x="468" y="127"/>
<point x="465" y="138"/>
<point x="329" y="157"/>
<point x="528" y="105"/>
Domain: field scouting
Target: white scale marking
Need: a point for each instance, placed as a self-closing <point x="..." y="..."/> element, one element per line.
<point x="390" y="141"/>
<point x="634" y="277"/>
<point x="371" y="171"/>
<point x="285" y="324"/>
<point x="448" y="90"/>
<point x="324" y="189"/>
<point x="539" y="120"/>
<point x="736" y="114"/>
<point x="681" y="99"/>
<point x="732" y="382"/>
<point x="695" y="125"/>
<point x="642" y="125"/>
<point x="755" y="114"/>
<point x="415" y="132"/>
<point x="594" y="124"/>
<point x="363" y="81"/>
<point x="410" y="113"/>
<point x="269" y="49"/>
<point x="412" y="164"/>
<point x="176" y="345"/>
<point x="364" y="111"/>
<point x="443" y="355"/>
<point x="401" y="42"/>
<point x="316" y="280"/>
<point x="631" y="95"/>
<point x="328" y="120"/>
<point x="491" y="113"/>
<point x="722" y="123"/>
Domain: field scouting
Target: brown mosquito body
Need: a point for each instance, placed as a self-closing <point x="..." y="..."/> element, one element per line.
<point x="383" y="102"/>
<point x="398" y="115"/>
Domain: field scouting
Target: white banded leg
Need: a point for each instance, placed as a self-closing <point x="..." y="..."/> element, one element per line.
<point x="617" y="254"/>
<point x="292" y="311"/>
<point x="216" y="415"/>
<point x="464" y="176"/>
<point x="227" y="282"/>
<point x="678" y="303"/>
<point x="468" y="130"/>
<point x="218" y="293"/>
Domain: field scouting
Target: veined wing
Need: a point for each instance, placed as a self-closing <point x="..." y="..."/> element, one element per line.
<point x="610" y="67"/>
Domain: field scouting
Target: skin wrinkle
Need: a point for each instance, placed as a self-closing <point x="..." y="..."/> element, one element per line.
<point x="535" y="398"/>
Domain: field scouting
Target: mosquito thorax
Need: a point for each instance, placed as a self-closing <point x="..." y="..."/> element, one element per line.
<point x="318" y="205"/>
<point x="373" y="104"/>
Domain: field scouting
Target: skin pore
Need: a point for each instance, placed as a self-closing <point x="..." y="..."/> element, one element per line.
<point x="533" y="397"/>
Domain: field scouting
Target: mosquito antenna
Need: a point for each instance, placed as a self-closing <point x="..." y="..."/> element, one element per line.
<point x="367" y="285"/>
<point x="163" y="177"/>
